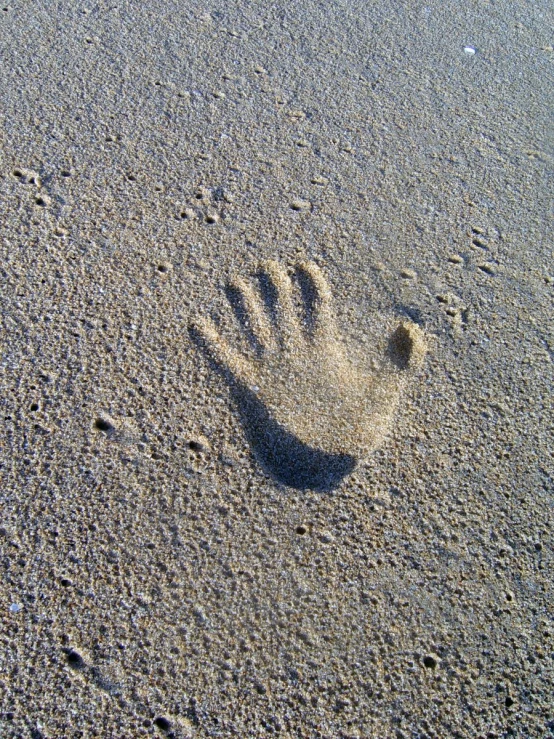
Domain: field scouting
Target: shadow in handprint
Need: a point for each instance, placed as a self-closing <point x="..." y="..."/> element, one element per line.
<point x="282" y="455"/>
<point x="310" y="412"/>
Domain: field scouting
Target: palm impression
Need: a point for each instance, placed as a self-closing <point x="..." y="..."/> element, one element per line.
<point x="309" y="410"/>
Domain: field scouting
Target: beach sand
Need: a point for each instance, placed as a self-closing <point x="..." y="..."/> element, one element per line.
<point x="190" y="550"/>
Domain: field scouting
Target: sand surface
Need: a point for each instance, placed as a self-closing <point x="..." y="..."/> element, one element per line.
<point x="190" y="556"/>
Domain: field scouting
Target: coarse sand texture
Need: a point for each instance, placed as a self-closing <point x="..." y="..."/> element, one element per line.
<point x="276" y="369"/>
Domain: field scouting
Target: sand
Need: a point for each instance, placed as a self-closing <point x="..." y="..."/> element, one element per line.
<point x="187" y="555"/>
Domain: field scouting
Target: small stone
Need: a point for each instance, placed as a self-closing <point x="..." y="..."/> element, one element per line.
<point x="15" y="608"/>
<point x="299" y="205"/>
<point x="480" y="242"/>
<point x="326" y="537"/>
<point x="408" y="274"/>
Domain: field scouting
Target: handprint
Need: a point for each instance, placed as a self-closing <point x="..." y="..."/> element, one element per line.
<point x="309" y="410"/>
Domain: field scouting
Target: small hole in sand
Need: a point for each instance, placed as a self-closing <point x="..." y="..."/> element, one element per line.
<point x="34" y="407"/>
<point x="430" y="662"/>
<point x="131" y="177"/>
<point x="184" y="214"/>
<point x="162" y="268"/>
<point x="211" y="219"/>
<point x="509" y="701"/>
<point x="162" y="723"/>
<point x="41" y="202"/>
<point x="75" y="659"/>
<point x="195" y="446"/>
<point x="301" y="530"/>
<point x="65" y="582"/>
<point x="17" y="173"/>
<point x="199" y="196"/>
<point x="65" y="173"/>
<point x="102" y="425"/>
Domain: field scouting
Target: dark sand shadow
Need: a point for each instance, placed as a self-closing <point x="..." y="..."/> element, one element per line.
<point x="281" y="454"/>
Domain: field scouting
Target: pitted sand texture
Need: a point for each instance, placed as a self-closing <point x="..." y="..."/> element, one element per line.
<point x="281" y="524"/>
<point x="311" y="411"/>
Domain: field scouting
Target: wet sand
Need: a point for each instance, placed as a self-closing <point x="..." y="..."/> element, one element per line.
<point x="166" y="568"/>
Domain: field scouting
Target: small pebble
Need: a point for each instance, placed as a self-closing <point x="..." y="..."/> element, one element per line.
<point x="469" y="50"/>
<point x="408" y="274"/>
<point x="15" y="607"/>
<point x="481" y="243"/>
<point x="300" y="205"/>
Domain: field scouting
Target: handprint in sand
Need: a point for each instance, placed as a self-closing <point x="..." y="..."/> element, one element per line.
<point x="310" y="408"/>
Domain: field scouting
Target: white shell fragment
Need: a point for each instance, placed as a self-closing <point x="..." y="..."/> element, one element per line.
<point x="469" y="50"/>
